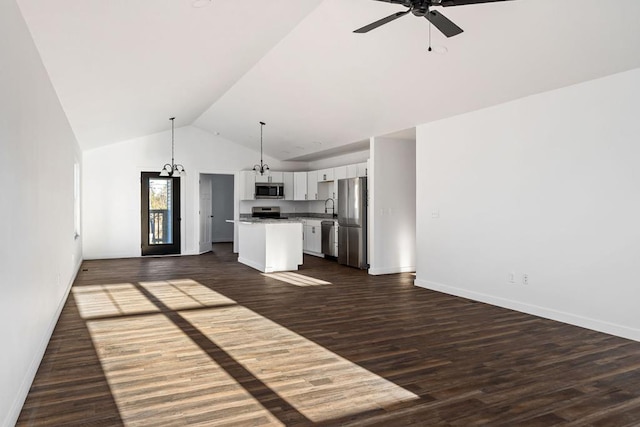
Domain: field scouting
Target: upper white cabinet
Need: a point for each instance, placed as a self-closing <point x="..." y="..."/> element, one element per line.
<point x="247" y="185"/>
<point x="352" y="171"/>
<point x="312" y="185"/>
<point x="299" y="186"/>
<point x="325" y="175"/>
<point x="338" y="173"/>
<point x="362" y="169"/>
<point x="276" y="177"/>
<point x="270" y="177"/>
<point x="288" y="180"/>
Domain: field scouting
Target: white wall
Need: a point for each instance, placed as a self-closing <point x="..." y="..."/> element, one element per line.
<point x="39" y="255"/>
<point x="392" y="210"/>
<point x="546" y="186"/>
<point x="111" y="193"/>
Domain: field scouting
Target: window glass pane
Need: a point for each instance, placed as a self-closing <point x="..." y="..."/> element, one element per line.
<point x="160" y="212"/>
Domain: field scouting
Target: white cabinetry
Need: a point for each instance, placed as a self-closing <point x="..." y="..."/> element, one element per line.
<point x="247" y="185"/>
<point x="357" y="170"/>
<point x="325" y="175"/>
<point x="312" y="242"/>
<point x="361" y="169"/>
<point x="299" y="186"/>
<point x="338" y="173"/>
<point x="276" y="177"/>
<point x="270" y="177"/>
<point x="312" y="185"/>
<point x="288" y="180"/>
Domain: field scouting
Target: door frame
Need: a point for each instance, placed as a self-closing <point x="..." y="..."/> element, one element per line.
<point x="234" y="201"/>
<point x="159" y="249"/>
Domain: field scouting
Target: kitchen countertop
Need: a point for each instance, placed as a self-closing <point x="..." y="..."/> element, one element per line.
<point x="268" y="220"/>
<point x="288" y="219"/>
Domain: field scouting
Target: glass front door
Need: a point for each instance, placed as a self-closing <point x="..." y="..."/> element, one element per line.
<point x="160" y="200"/>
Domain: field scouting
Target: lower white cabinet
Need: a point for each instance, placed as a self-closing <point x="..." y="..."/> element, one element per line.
<point x="312" y="236"/>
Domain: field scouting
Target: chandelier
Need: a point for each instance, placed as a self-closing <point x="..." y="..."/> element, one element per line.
<point x="172" y="169"/>
<point x="262" y="168"/>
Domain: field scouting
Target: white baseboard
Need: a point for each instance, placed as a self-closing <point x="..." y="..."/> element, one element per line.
<point x="547" y="313"/>
<point x="318" y="254"/>
<point x="251" y="264"/>
<point x="391" y="270"/>
<point x="23" y="391"/>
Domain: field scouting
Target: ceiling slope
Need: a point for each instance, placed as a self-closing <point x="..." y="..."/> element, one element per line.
<point x="122" y="68"/>
<point x="323" y="86"/>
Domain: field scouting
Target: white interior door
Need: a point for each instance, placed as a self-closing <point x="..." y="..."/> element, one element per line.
<point x="206" y="215"/>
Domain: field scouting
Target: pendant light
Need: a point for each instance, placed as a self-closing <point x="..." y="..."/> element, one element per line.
<point x="262" y="168"/>
<point x="172" y="169"/>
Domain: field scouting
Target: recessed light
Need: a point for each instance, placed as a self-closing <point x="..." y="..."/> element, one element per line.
<point x="201" y="3"/>
<point x="317" y="142"/>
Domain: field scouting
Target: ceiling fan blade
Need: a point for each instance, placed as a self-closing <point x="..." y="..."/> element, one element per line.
<point x="443" y="23"/>
<point x="380" y="22"/>
<point x="447" y="3"/>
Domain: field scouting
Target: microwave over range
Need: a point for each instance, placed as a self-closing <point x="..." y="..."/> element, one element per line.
<point x="269" y="190"/>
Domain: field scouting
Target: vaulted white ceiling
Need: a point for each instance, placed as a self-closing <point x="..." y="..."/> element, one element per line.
<point x="121" y="68"/>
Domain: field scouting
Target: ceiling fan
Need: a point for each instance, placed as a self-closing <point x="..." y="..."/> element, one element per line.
<point x="421" y="8"/>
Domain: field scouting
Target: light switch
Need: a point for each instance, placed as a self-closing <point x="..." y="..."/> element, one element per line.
<point x="435" y="213"/>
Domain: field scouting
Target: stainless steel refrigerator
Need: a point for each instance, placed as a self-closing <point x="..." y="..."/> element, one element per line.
<point x="352" y="222"/>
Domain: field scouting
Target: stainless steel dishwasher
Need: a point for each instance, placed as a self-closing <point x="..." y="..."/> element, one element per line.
<point x="328" y="238"/>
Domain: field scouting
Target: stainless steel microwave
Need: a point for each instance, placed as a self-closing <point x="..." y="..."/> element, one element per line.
<point x="269" y="190"/>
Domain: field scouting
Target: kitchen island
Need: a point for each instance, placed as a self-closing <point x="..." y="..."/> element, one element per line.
<point x="270" y="245"/>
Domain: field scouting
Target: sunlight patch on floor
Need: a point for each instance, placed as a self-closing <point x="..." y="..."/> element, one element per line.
<point x="159" y="376"/>
<point x="296" y="279"/>
<point x="320" y="384"/>
<point x="185" y="293"/>
<point x="111" y="300"/>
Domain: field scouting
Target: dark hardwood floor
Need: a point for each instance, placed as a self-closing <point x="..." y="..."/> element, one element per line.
<point x="204" y="340"/>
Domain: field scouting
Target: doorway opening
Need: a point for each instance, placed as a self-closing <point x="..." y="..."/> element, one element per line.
<point x="216" y="207"/>
<point x="160" y="216"/>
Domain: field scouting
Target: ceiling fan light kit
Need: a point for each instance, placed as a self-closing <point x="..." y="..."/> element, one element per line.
<point x="422" y="9"/>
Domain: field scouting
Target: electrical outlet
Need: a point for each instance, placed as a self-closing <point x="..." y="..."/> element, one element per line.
<point x="525" y="279"/>
<point x="511" y="278"/>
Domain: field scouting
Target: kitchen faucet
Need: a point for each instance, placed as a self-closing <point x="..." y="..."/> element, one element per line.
<point x="333" y="206"/>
